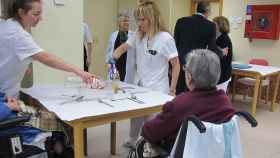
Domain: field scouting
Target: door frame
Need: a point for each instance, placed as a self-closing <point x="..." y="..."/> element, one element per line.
<point x="194" y="5"/>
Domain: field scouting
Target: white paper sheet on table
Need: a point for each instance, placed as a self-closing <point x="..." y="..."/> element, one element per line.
<point x="51" y="96"/>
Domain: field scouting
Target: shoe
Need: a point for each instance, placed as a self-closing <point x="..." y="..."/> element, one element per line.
<point x="149" y="151"/>
<point x="129" y="143"/>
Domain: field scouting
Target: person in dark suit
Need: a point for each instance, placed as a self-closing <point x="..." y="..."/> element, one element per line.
<point x="194" y="32"/>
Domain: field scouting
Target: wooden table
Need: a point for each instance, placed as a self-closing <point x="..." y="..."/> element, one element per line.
<point x="112" y="117"/>
<point x="257" y="72"/>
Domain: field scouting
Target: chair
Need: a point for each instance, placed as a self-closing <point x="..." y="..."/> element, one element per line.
<point x="250" y="82"/>
<point x="11" y="145"/>
<point x="208" y="140"/>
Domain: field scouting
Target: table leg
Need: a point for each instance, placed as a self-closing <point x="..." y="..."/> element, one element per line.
<point x="113" y="138"/>
<point x="78" y="140"/>
<point x="273" y="102"/>
<point x="255" y="97"/>
<point x="85" y="142"/>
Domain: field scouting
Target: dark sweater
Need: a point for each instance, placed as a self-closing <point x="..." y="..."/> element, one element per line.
<point x="224" y="41"/>
<point x="121" y="62"/>
<point x="211" y="106"/>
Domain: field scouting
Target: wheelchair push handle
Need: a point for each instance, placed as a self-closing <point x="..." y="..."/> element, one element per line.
<point x="248" y="117"/>
<point x="199" y="125"/>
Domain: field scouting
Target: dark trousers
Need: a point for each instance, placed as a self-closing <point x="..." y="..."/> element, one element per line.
<point x="85" y="60"/>
<point x="181" y="84"/>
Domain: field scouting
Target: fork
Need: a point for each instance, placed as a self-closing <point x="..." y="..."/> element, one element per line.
<point x="134" y="98"/>
<point x="78" y="99"/>
<point x="103" y="102"/>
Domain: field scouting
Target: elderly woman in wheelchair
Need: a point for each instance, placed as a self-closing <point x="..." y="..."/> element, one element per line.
<point x="18" y="139"/>
<point x="204" y="101"/>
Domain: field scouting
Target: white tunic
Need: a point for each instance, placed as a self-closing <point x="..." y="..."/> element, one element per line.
<point x="87" y="34"/>
<point x="16" y="49"/>
<point x="152" y="57"/>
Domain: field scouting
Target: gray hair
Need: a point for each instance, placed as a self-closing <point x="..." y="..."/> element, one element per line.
<point x="123" y="14"/>
<point x="204" y="67"/>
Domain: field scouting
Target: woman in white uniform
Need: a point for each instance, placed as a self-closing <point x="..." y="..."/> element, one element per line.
<point x="154" y="48"/>
<point x="126" y="64"/>
<point x="18" y="48"/>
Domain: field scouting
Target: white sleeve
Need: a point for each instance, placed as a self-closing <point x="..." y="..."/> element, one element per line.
<point x="110" y="48"/>
<point x="25" y="46"/>
<point x="131" y="41"/>
<point x="130" y="75"/>
<point x="87" y="34"/>
<point x="169" y="49"/>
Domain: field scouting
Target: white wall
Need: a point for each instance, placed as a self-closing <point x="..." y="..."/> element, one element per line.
<point x="126" y="4"/>
<point x="259" y="48"/>
<point x="0" y="9"/>
<point x="60" y="33"/>
<point x="263" y="1"/>
<point x="180" y="8"/>
<point x="101" y="16"/>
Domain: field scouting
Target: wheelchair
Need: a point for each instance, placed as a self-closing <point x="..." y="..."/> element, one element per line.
<point x="199" y="139"/>
<point x="11" y="145"/>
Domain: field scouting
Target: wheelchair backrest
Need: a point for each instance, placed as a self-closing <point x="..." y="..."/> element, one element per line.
<point x="219" y="141"/>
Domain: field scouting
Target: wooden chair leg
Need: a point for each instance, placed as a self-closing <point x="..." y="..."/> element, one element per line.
<point x="260" y="94"/>
<point x="246" y="93"/>
<point x="267" y="94"/>
<point x="234" y="78"/>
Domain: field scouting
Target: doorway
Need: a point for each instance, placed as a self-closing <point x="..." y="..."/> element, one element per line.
<point x="216" y="7"/>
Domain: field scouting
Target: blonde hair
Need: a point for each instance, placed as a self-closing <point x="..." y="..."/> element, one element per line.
<point x="150" y="11"/>
<point x="223" y="24"/>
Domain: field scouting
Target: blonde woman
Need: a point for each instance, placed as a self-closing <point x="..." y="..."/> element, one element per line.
<point x="224" y="42"/>
<point x="154" y="49"/>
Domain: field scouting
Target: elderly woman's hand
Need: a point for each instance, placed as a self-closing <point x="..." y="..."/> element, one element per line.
<point x="13" y="104"/>
<point x="116" y="55"/>
<point x="172" y="92"/>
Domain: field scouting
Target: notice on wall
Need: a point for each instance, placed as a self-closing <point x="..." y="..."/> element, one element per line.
<point x="59" y="2"/>
<point x="235" y="21"/>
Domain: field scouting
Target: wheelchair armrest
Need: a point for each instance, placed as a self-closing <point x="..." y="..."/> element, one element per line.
<point x="12" y="122"/>
<point x="248" y="117"/>
<point x="199" y="125"/>
<point x="182" y="136"/>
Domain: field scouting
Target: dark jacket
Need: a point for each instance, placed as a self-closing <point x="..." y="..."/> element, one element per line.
<point x="224" y="41"/>
<point x="27" y="133"/>
<point x="212" y="106"/>
<point x="194" y="32"/>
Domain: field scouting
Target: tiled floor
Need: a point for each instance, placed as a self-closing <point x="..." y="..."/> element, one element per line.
<point x="260" y="142"/>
